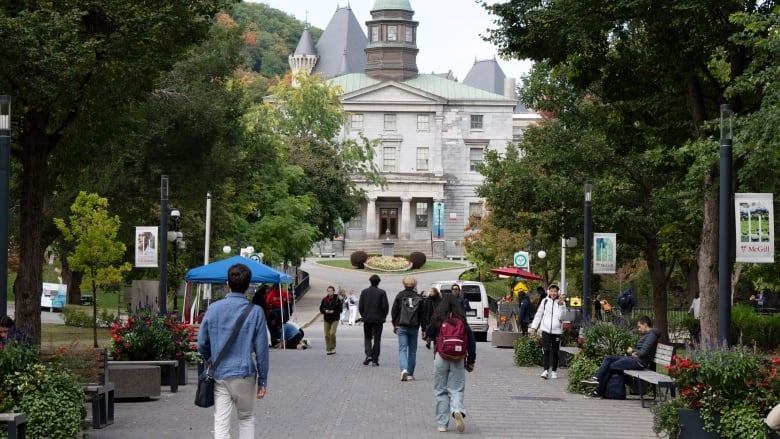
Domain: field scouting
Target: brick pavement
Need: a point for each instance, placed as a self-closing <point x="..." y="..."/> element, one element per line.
<point x="314" y="395"/>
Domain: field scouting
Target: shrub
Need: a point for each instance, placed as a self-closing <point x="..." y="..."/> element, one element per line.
<point x="418" y="259"/>
<point x="76" y="317"/>
<point x="358" y="259"/>
<point x="528" y="351"/>
<point x="606" y="339"/>
<point x="753" y="329"/>
<point x="582" y="367"/>
<point x="147" y="336"/>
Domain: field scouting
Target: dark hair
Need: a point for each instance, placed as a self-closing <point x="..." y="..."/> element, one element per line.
<point x="259" y="297"/>
<point x="448" y="306"/>
<point x="239" y="276"/>
<point x="374" y="279"/>
<point x="646" y="320"/>
<point x="6" y="322"/>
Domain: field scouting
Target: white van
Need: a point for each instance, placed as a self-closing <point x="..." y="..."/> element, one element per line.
<point x="479" y="316"/>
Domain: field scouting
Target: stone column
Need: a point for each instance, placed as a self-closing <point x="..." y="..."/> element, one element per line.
<point x="406" y="214"/>
<point x="370" y="230"/>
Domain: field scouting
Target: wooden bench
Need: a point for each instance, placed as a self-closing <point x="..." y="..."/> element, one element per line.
<point x="172" y="366"/>
<point x="17" y="424"/>
<point x="659" y="382"/>
<point x="99" y="392"/>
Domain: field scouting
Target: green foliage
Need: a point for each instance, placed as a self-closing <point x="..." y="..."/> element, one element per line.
<point x="147" y="336"/>
<point x="753" y="329"/>
<point x="581" y="367"/>
<point x="358" y="258"/>
<point x="606" y="339"/>
<point x="738" y="420"/>
<point x="528" y="351"/>
<point x="16" y="355"/>
<point x="666" y="421"/>
<point x="417" y="259"/>
<point x="52" y="399"/>
<point x="74" y="316"/>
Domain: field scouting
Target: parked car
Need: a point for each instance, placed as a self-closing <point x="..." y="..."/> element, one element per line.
<point x="475" y="292"/>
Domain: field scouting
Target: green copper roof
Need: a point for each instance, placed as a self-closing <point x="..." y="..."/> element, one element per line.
<point x="402" y="5"/>
<point x="432" y="84"/>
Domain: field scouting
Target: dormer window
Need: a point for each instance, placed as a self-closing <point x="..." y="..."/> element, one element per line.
<point x="392" y="33"/>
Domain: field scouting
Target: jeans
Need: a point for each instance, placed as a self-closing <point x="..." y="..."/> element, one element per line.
<point x="614" y="364"/>
<point x="407" y="348"/>
<point x="372" y="337"/>
<point x="551" y="345"/>
<point x="330" y="335"/>
<point x="239" y="393"/>
<point x="449" y="384"/>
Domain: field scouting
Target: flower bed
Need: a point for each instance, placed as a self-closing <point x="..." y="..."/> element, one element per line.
<point x="388" y="263"/>
<point x="150" y="337"/>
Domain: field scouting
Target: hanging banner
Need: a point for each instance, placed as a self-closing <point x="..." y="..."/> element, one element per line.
<point x="754" y="219"/>
<point x="146" y="247"/>
<point x="438" y="220"/>
<point x="604" y="254"/>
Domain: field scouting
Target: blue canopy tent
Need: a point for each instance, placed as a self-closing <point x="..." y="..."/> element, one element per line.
<point x="216" y="273"/>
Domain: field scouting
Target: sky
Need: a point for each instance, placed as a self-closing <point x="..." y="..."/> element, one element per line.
<point x="447" y="36"/>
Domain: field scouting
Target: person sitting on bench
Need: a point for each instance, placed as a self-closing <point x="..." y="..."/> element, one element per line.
<point x="635" y="359"/>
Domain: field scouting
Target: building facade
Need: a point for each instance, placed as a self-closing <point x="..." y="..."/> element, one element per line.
<point x="431" y="131"/>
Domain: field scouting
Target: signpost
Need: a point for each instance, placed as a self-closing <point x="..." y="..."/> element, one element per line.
<point x="521" y="260"/>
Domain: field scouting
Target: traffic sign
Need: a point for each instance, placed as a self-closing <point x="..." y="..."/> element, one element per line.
<point x="521" y="260"/>
<point x="256" y="257"/>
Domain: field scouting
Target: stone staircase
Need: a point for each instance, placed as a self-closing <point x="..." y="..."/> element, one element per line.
<point x="401" y="247"/>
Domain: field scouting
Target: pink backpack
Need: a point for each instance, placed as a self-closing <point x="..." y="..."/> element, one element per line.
<point x="451" y="343"/>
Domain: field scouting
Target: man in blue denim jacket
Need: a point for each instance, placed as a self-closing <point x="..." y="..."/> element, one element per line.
<point x="241" y="376"/>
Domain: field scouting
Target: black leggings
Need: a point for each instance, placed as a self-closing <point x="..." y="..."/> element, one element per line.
<point x="551" y="345"/>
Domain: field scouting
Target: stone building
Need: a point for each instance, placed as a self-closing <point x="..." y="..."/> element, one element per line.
<point x="431" y="130"/>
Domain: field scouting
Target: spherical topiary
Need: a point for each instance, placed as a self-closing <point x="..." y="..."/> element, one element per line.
<point x="358" y="259"/>
<point x="417" y="259"/>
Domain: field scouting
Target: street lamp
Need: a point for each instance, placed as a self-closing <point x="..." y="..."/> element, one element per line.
<point x="587" y="255"/>
<point x="565" y="242"/>
<point x="175" y="236"/>
<point x="725" y="229"/>
<point x="162" y="298"/>
<point x="5" y="165"/>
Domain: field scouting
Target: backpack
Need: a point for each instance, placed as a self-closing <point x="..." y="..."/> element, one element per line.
<point x="616" y="387"/>
<point x="410" y="307"/>
<point x="623" y="301"/>
<point x="451" y="343"/>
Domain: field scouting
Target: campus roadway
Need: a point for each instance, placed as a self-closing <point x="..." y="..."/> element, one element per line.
<point x="313" y="395"/>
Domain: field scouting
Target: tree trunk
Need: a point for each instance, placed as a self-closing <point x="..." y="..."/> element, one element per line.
<point x="708" y="264"/>
<point x="658" y="280"/>
<point x="28" y="284"/>
<point x="73" y="281"/>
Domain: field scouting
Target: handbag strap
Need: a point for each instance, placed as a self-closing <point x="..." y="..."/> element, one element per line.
<point x="233" y="336"/>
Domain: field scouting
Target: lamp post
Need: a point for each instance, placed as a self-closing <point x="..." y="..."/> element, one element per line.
<point x="162" y="298"/>
<point x="174" y="236"/>
<point x="725" y="231"/>
<point x="587" y="255"/>
<point x="5" y="165"/>
<point x="565" y="242"/>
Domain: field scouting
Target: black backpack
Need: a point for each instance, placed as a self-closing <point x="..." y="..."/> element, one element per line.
<point x="410" y="311"/>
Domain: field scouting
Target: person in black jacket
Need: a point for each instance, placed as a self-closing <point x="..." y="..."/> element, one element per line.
<point x="635" y="359"/>
<point x="373" y="307"/>
<point x="407" y="317"/>
<point x="331" y="307"/>
<point x="433" y="299"/>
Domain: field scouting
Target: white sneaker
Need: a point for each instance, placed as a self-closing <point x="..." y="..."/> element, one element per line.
<point x="554" y="375"/>
<point x="460" y="425"/>
<point x="404" y="375"/>
<point x="544" y="374"/>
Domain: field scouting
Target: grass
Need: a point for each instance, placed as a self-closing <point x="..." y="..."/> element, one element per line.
<point x="56" y="335"/>
<point x="429" y="266"/>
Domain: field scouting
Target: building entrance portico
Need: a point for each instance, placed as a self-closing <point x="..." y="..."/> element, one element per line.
<point x="388" y="222"/>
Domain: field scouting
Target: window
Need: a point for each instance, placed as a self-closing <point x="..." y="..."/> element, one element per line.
<point x="422" y="215"/>
<point x="423" y="122"/>
<point x="374" y="34"/>
<point x="476" y="156"/>
<point x="422" y="159"/>
<point x="475" y="213"/>
<point x="388" y="159"/>
<point x="356" y="121"/>
<point x="392" y="33"/>
<point x="390" y="122"/>
<point x="409" y="35"/>
<point x="476" y="121"/>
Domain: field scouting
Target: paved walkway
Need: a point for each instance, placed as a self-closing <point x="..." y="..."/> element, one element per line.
<point x="314" y="395"/>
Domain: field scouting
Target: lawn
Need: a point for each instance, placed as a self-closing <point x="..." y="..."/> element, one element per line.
<point x="56" y="335"/>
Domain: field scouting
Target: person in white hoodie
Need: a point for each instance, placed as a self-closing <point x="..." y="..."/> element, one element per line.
<point x="549" y="318"/>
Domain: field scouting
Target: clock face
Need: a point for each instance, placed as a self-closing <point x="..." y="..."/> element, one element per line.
<point x="391" y="33"/>
<point x="409" y="35"/>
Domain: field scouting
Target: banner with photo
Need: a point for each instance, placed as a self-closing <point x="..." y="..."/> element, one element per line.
<point x="604" y="254"/>
<point x="754" y="219"/>
<point x="146" y="247"/>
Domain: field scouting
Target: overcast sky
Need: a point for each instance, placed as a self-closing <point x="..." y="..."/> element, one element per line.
<point x="447" y="36"/>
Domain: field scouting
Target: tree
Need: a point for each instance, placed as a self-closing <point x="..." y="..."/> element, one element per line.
<point x="70" y="61"/>
<point x="661" y="70"/>
<point x="96" y="250"/>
